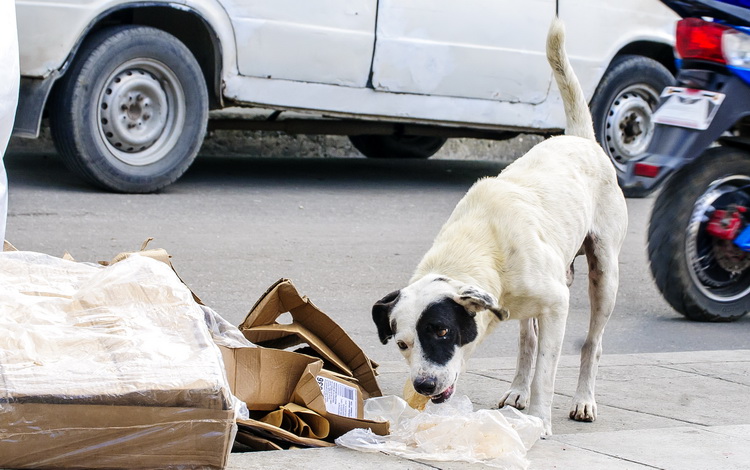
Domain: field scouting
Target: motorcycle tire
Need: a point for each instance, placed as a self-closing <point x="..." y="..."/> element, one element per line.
<point x="700" y="276"/>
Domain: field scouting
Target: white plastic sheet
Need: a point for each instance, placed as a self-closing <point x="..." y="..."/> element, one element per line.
<point x="450" y="431"/>
<point x="9" y="82"/>
<point x="80" y="332"/>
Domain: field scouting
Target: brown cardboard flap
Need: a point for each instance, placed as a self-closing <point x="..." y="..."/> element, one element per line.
<point x="307" y="392"/>
<point x="263" y="429"/>
<point x="350" y="382"/>
<point x="268" y="378"/>
<point x="159" y="254"/>
<point x="254" y="442"/>
<point x="265" y="378"/>
<point x="298" y="420"/>
<point x="321" y="332"/>
<point x="284" y="336"/>
<point x="341" y="425"/>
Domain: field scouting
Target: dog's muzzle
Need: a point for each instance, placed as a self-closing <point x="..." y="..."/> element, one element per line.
<point x="428" y="385"/>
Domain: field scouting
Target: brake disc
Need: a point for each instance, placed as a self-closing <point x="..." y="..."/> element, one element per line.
<point x="730" y="257"/>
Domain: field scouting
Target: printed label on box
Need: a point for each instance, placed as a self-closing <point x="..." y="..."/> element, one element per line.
<point x="341" y="399"/>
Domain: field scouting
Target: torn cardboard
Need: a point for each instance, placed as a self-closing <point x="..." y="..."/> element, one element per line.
<point x="309" y="326"/>
<point x="266" y="379"/>
<point x="269" y="377"/>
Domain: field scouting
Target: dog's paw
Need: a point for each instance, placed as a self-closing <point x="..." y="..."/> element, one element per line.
<point x="546" y="429"/>
<point x="583" y="410"/>
<point x="545" y="414"/>
<point x="518" y="399"/>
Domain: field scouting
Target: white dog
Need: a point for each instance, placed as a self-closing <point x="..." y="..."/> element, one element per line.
<point x="506" y="252"/>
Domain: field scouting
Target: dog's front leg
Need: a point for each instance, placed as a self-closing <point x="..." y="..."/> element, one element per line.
<point x="518" y="394"/>
<point x="551" y="333"/>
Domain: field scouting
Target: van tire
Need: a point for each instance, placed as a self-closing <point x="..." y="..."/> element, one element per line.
<point x="622" y="108"/>
<point x="131" y="112"/>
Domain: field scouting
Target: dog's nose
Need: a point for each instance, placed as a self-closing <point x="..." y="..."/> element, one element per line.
<point x="425" y="385"/>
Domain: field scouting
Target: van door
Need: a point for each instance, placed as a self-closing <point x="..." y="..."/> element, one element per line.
<point x="485" y="49"/>
<point x="320" y="41"/>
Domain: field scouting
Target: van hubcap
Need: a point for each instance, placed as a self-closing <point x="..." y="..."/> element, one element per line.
<point x="629" y="128"/>
<point x="140" y="111"/>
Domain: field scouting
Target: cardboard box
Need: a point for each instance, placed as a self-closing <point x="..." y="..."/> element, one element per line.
<point x="42" y="435"/>
<point x="116" y="423"/>
<point x="107" y="367"/>
<point x="334" y="383"/>
<point x="309" y="326"/>
<point x="266" y="379"/>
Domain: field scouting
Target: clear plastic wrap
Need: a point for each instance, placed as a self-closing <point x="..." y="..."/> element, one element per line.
<point x="224" y="333"/>
<point x="107" y="367"/>
<point x="451" y="431"/>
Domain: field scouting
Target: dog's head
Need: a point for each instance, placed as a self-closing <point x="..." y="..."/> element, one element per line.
<point x="434" y="323"/>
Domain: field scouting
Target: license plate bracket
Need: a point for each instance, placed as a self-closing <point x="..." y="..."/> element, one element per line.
<point x="688" y="107"/>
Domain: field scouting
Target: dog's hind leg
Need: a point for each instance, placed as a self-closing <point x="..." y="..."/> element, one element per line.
<point x="603" y="281"/>
<point x="518" y="394"/>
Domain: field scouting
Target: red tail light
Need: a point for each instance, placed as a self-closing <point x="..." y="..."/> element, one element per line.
<point x="699" y="39"/>
<point x="646" y="170"/>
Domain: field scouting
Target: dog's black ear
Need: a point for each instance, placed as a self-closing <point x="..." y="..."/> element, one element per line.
<point x="381" y="315"/>
<point x="474" y="300"/>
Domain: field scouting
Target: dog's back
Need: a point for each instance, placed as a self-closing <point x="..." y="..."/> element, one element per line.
<point x="558" y="188"/>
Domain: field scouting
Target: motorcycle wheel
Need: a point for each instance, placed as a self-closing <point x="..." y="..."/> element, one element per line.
<point x="702" y="277"/>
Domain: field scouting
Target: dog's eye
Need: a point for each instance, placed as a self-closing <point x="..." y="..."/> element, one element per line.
<point x="441" y="332"/>
<point x="401" y="345"/>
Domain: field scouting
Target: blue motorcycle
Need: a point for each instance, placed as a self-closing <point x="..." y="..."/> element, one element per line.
<point x="699" y="232"/>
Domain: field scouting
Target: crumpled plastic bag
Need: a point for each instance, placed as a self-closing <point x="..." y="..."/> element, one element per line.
<point x="450" y="431"/>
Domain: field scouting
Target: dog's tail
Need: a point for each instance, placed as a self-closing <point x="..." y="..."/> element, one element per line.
<point x="577" y="112"/>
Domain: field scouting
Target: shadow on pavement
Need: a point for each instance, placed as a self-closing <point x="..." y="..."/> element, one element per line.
<point x="46" y="170"/>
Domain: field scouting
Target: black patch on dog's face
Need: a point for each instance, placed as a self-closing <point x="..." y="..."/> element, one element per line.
<point x="442" y="327"/>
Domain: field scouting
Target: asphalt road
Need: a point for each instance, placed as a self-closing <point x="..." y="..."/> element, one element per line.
<point x="346" y="231"/>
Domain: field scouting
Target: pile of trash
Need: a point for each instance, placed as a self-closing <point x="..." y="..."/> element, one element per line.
<point x="119" y="364"/>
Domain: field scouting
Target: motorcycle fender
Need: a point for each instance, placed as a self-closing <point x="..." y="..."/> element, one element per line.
<point x="673" y="147"/>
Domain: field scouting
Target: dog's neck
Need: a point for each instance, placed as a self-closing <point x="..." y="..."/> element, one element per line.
<point x="480" y="271"/>
<point x="457" y="269"/>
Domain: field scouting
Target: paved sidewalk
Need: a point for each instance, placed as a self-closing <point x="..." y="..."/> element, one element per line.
<point x="680" y="411"/>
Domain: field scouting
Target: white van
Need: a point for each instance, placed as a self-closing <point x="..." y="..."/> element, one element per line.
<point x="127" y="84"/>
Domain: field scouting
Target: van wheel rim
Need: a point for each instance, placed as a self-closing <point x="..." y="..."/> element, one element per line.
<point x="141" y="109"/>
<point x="629" y="126"/>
